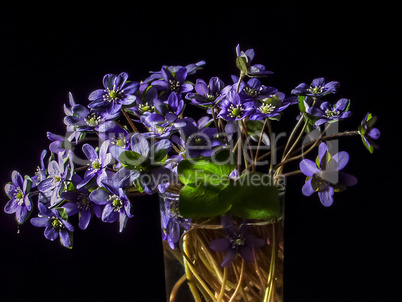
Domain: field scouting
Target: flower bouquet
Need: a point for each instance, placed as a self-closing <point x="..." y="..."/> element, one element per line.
<point x="221" y="176"/>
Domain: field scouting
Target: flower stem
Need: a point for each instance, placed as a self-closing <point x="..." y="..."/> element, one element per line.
<point x="239" y="282"/>
<point x="133" y="127"/>
<point x="176" y="288"/>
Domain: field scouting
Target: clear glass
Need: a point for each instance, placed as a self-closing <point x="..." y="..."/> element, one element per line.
<point x="194" y="273"/>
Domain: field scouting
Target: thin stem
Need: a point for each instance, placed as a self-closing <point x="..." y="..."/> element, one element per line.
<point x="239" y="282"/>
<point x="271" y="162"/>
<point x="304" y="153"/>
<point x="291" y="173"/>
<point x="225" y="273"/>
<point x="270" y="282"/>
<point x="133" y="127"/>
<point x="176" y="288"/>
<point x="292" y="134"/>
<point x="259" y="143"/>
<point x="328" y="137"/>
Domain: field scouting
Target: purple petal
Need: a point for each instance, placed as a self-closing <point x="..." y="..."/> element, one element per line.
<point x="322" y="149"/>
<point x="338" y="161"/>
<point x="11" y="206"/>
<point x="51" y="233"/>
<point x="347" y="179"/>
<point x="71" y="207"/>
<point x="307" y="188"/>
<point x="246" y="253"/>
<point x="374" y="133"/>
<point x="230" y="255"/>
<point x="326" y="196"/>
<point x="85" y="217"/>
<point x="181" y="75"/>
<point x="21" y="214"/>
<point x="318" y="82"/>
<point x="201" y="87"/>
<point x="17" y="179"/>
<point x="65" y="238"/>
<point x="99" y="197"/>
<point x="40" y="221"/>
<point x="96" y="95"/>
<point x="89" y="152"/>
<point x="220" y="245"/>
<point x="308" y="167"/>
<point x="341" y="104"/>
<point x="139" y="144"/>
<point x="109" y="214"/>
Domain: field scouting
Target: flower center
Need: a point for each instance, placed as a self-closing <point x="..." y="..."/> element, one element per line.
<point x="96" y="165"/>
<point x="173" y="210"/>
<point x="112" y="95"/>
<point x="235" y="111"/>
<point x="83" y="202"/>
<point x="116" y="202"/>
<point x="93" y="119"/>
<point x="56" y="223"/>
<point x="120" y="141"/>
<point x="266" y="108"/>
<point x="174" y="85"/>
<point x="19" y="195"/>
<point x="316" y="90"/>
<point x="145" y="108"/>
<point x="251" y="91"/>
<point x="57" y="178"/>
<point x="331" y="113"/>
<point x="237" y="241"/>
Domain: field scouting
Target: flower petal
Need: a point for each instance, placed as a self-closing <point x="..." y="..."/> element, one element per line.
<point x="307" y="188"/>
<point x="308" y="167"/>
<point x="219" y="245"/>
<point x="326" y="196"/>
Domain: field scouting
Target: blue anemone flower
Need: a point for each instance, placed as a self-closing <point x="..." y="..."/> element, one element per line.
<point x="117" y="92"/>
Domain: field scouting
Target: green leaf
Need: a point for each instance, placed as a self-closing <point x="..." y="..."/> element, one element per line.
<point x="253" y="197"/>
<point x="63" y="213"/>
<point x="131" y="160"/>
<point x="208" y="170"/>
<point x="302" y="107"/>
<point x="241" y="63"/>
<point x="201" y="201"/>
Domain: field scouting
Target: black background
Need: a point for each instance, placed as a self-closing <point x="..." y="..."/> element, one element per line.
<point x="348" y="252"/>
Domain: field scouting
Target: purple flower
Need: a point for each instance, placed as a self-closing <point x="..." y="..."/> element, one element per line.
<point x="144" y="163"/>
<point x="323" y="175"/>
<point x="118" y="92"/>
<point x="327" y="113"/>
<point x="247" y="56"/>
<point x="368" y="133"/>
<point x="253" y="89"/>
<point x="55" y="223"/>
<point x="210" y="94"/>
<point x="238" y="240"/>
<point x="197" y="139"/>
<point x="117" y="205"/>
<point x="40" y="173"/>
<point x="191" y="69"/>
<point x="53" y="185"/>
<point x="272" y="106"/>
<point x="79" y="202"/>
<point x="233" y="108"/>
<point x="97" y="167"/>
<point x="172" y="221"/>
<point x="145" y="103"/>
<point x="166" y="112"/>
<point x="18" y="192"/>
<point x="88" y="120"/>
<point x="317" y="88"/>
<point x="173" y="81"/>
